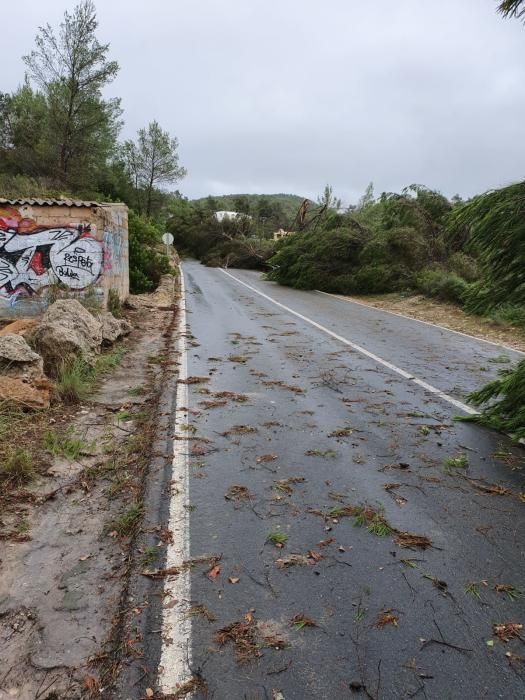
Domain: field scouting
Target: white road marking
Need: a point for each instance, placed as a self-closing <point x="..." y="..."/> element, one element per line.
<point x="175" y="661"/>
<point x="418" y="320"/>
<point x="406" y="375"/>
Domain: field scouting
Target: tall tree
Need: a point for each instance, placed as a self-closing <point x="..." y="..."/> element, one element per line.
<point x="152" y="162"/>
<point x="71" y="67"/>
<point x="512" y="8"/>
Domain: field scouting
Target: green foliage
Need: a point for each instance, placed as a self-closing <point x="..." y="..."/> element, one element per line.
<point x="65" y="444"/>
<point x="74" y="381"/>
<point x="393" y="243"/>
<point x="512" y="8"/>
<point x="114" y="303"/>
<point x="151" y="161"/>
<point x="322" y="260"/>
<point x="277" y="537"/>
<point x="71" y="69"/>
<point x="447" y="286"/>
<point x="280" y="209"/>
<point x="76" y="378"/>
<point x="23" y="133"/>
<point x="504" y="401"/>
<point x="508" y="314"/>
<point x="16" y="468"/>
<point x="147" y="262"/>
<point x="496" y="227"/>
<point x="126" y="524"/>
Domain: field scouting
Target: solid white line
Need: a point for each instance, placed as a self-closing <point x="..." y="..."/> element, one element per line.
<point x="428" y="387"/>
<point x="175" y="661"/>
<point x="350" y="300"/>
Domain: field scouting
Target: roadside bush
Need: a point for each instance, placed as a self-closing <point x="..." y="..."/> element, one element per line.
<point x="147" y="262"/>
<point x="447" y="286"/>
<point x="509" y="313"/>
<point x="464" y="265"/>
<point x="381" y="279"/>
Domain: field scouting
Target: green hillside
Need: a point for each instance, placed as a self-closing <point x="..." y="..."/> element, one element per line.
<point x="261" y="205"/>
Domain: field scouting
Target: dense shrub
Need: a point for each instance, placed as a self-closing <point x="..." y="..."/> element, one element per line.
<point x="443" y="285"/>
<point x="509" y="313"/>
<point x="464" y="265"/>
<point x="147" y="262"/>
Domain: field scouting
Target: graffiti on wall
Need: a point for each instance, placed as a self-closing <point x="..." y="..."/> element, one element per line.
<point x="33" y="256"/>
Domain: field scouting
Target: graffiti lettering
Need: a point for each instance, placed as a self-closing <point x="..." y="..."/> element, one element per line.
<point x="79" y="261"/>
<point x="67" y="272"/>
<point x="32" y="257"/>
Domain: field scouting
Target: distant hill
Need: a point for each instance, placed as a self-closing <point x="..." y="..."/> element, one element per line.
<point x="289" y="203"/>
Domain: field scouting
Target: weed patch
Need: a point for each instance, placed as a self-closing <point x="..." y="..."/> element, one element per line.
<point x="458" y="462"/>
<point x="277" y="538"/>
<point x="127" y="523"/>
<point x="65" y="444"/>
<point x="17" y="468"/>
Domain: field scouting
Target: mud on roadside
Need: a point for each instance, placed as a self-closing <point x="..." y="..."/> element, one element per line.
<point x="65" y="538"/>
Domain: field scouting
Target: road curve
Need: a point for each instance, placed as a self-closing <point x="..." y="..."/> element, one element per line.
<point x="341" y="447"/>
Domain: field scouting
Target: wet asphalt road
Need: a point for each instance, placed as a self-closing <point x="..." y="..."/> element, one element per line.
<point x="350" y="432"/>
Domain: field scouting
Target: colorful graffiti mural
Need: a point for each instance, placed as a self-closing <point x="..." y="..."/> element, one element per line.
<point x="33" y="257"/>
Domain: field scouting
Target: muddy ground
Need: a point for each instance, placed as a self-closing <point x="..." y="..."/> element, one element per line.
<point x="65" y="538"/>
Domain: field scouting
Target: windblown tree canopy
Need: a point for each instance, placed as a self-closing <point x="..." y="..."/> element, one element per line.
<point x="496" y="225"/>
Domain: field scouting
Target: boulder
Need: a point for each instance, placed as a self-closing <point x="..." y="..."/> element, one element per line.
<point x="21" y="326"/>
<point x="113" y="328"/>
<point x="18" y="360"/>
<point x="66" y="330"/>
<point x="35" y="395"/>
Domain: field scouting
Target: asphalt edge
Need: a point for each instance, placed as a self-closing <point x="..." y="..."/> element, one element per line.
<point x="141" y="610"/>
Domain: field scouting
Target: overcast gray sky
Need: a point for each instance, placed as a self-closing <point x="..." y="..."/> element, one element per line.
<point x="288" y="95"/>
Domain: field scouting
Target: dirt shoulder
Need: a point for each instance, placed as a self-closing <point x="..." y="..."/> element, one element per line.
<point x="448" y="316"/>
<point x="66" y="535"/>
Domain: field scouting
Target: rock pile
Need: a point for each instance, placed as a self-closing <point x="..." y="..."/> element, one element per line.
<point x="31" y="351"/>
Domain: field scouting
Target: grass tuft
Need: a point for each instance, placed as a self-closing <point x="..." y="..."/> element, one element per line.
<point x="126" y="524"/>
<point x="458" y="462"/>
<point x="17" y="468"/>
<point x="65" y="444"/>
<point x="277" y="538"/>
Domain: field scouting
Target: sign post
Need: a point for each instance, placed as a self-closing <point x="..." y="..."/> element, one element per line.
<point x="167" y="238"/>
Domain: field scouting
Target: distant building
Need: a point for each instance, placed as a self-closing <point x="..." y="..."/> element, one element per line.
<point x="281" y="233"/>
<point x="221" y="215"/>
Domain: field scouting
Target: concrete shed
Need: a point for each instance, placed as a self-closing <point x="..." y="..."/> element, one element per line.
<point x="60" y="244"/>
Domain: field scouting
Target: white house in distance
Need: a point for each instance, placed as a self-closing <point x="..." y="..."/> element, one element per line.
<point x="221" y="215"/>
<point x="281" y="233"/>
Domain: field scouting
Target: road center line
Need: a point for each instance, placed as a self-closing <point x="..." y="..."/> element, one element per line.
<point x="379" y="360"/>
<point x="175" y="662"/>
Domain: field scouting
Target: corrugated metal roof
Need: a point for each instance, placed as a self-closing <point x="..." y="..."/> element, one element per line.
<point x="53" y="202"/>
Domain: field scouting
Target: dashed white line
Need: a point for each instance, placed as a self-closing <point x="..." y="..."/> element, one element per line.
<point x="175" y="661"/>
<point x="379" y="360"/>
<point x="418" y="320"/>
